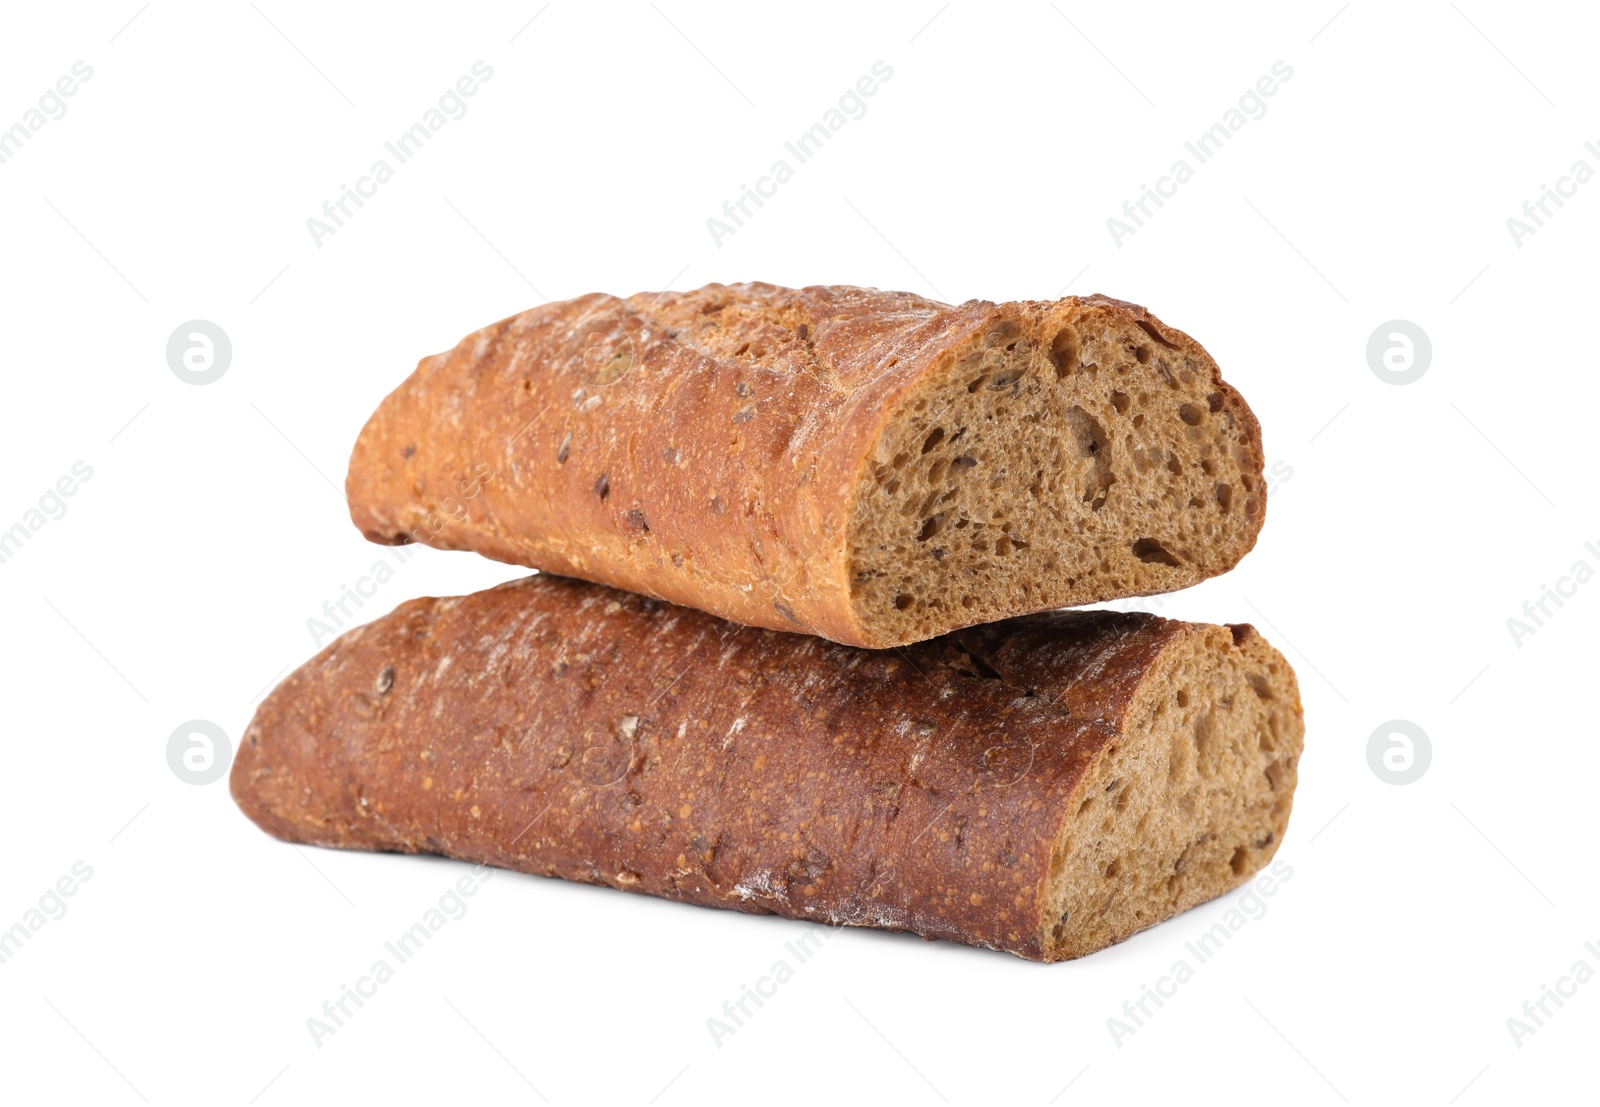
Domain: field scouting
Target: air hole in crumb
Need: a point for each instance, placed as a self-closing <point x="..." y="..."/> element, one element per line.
<point x="1214" y="402"/>
<point x="962" y="463"/>
<point x="1141" y="354"/>
<point x="1064" y="351"/>
<point x="741" y="349"/>
<point x="1120" y="401"/>
<point x="1091" y="441"/>
<point x="1183" y="697"/>
<point x="1152" y="552"/>
<point x="902" y="601"/>
<point x="934" y="438"/>
<point x="1225" y="497"/>
<point x="1259" y="683"/>
<point x="977" y="384"/>
<point x="933" y="526"/>
<point x="1114" y="868"/>
<point x="1241" y="858"/>
<point x="1190" y="414"/>
<point x="1007" y="329"/>
<point x="1149" y="328"/>
<point x="1084" y="806"/>
<point x="1174" y="466"/>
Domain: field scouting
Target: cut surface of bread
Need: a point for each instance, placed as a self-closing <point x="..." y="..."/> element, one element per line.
<point x="1191" y="802"/>
<point x="1068" y="454"/>
<point x="1045" y="786"/>
<point x="871" y="467"/>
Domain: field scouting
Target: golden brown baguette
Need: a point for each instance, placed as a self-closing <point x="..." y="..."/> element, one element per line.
<point x="1044" y="786"/>
<point x="871" y="467"/>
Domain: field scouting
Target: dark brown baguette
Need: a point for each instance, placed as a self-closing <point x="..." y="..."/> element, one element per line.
<point x="1044" y="786"/>
<point x="871" y="467"/>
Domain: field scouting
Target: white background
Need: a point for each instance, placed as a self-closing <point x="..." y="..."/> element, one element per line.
<point x="1412" y="523"/>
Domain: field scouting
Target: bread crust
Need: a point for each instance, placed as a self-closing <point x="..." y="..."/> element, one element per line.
<point x="566" y="729"/>
<point x="706" y="447"/>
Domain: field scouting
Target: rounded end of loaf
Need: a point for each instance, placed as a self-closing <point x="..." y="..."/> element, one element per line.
<point x="1189" y="803"/>
<point x="1065" y="453"/>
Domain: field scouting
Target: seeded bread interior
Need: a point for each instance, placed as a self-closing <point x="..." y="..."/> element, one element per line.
<point x="1189" y="802"/>
<point x="1068" y="453"/>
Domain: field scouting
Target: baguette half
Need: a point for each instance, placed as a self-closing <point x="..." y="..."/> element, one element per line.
<point x="1045" y="786"/>
<point x="871" y="467"/>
